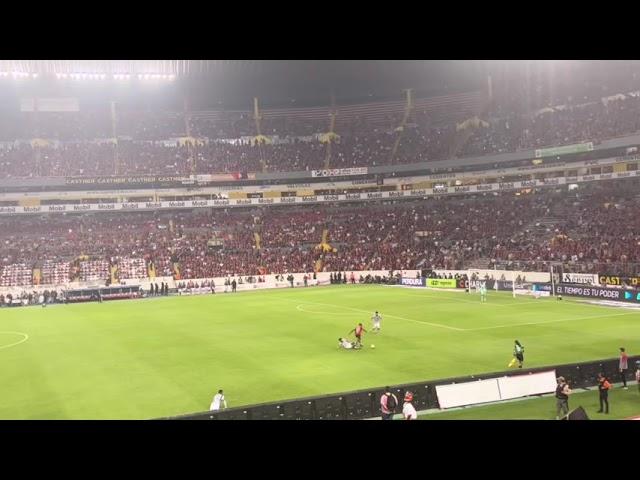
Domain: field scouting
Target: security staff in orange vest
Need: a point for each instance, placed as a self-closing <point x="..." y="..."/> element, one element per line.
<point x="603" y="389"/>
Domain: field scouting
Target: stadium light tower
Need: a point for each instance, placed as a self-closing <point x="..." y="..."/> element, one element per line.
<point x="115" y="136"/>
<point x="157" y="70"/>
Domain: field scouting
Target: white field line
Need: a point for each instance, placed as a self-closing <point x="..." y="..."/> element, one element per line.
<point x="300" y="309"/>
<point x="549" y="321"/>
<point x="521" y="300"/>
<point x="25" y="337"/>
<point x="488" y="302"/>
<point x="438" y="325"/>
<point x="457" y="300"/>
<point x="426" y="294"/>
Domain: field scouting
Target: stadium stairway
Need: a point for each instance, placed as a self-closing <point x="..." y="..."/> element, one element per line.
<point x="176" y="271"/>
<point x="330" y="138"/>
<point x="460" y="140"/>
<point x="113" y="274"/>
<point x="325" y="235"/>
<point x="461" y="137"/>
<point x="151" y="270"/>
<point x="37" y="276"/>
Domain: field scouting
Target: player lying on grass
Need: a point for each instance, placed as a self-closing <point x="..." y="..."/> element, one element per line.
<point x="344" y="343"/>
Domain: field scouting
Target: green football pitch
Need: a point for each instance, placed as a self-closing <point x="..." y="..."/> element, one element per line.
<point x="168" y="356"/>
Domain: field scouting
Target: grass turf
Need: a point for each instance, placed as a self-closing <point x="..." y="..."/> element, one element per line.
<point x="168" y="356"/>
<point x="622" y="404"/>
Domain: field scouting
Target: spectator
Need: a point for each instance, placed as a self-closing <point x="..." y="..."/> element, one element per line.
<point x="429" y="135"/>
<point x="388" y="404"/>
<point x="408" y="410"/>
<point x="623" y="366"/>
<point x="562" y="398"/>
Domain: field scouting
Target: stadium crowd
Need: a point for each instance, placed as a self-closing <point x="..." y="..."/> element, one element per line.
<point x="562" y="125"/>
<point x="594" y="227"/>
<point x="146" y="149"/>
<point x="598" y="232"/>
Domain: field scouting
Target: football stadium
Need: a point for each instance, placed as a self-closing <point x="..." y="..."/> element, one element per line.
<point x="319" y="240"/>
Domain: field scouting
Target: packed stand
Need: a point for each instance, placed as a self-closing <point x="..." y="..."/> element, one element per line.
<point x="55" y="273"/>
<point x="131" y="268"/>
<point x="599" y="232"/>
<point x="360" y="142"/>
<point x="16" y="274"/>
<point x="596" y="226"/>
<point x="562" y="125"/>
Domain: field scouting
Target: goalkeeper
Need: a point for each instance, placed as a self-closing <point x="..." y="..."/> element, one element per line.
<point x="483" y="292"/>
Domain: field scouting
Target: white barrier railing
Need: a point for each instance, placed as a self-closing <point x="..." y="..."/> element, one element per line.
<point x="322" y="278"/>
<point x="495" y="389"/>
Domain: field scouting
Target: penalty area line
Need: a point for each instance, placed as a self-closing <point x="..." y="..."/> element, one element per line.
<point x="437" y="325"/>
<point x="300" y="309"/>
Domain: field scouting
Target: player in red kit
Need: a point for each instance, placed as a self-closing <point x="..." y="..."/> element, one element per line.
<point x="358" y="333"/>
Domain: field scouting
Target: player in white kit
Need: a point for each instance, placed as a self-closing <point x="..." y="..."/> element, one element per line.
<point x="376" y="319"/>
<point x="218" y="401"/>
<point x="344" y="343"/>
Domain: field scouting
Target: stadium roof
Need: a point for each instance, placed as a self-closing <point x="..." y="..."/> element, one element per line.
<point x="298" y="83"/>
<point x="232" y="84"/>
